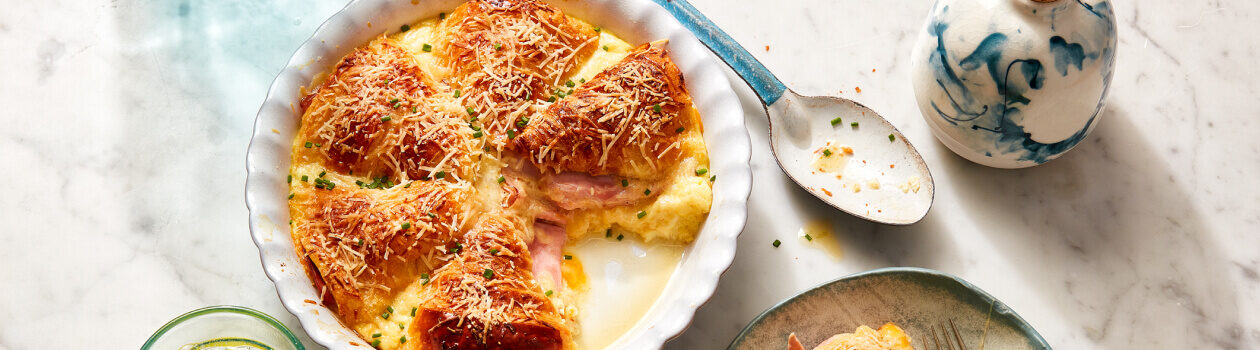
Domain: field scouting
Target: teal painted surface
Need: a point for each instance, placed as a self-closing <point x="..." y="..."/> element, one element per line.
<point x="767" y="86"/>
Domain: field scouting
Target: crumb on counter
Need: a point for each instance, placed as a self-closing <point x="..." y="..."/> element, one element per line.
<point x="912" y="184"/>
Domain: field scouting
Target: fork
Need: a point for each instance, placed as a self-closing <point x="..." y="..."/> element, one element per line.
<point x="956" y="343"/>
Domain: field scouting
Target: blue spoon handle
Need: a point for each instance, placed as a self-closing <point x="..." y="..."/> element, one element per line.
<point x="767" y="87"/>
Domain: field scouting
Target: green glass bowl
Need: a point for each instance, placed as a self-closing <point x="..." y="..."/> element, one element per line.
<point x="218" y="323"/>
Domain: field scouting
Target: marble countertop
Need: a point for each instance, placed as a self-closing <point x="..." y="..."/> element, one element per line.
<point x="126" y="123"/>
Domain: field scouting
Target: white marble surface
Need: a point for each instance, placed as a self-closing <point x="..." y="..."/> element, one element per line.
<point x="125" y="125"/>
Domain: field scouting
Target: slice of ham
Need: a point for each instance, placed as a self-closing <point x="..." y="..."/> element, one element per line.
<point x="546" y="250"/>
<point x="573" y="191"/>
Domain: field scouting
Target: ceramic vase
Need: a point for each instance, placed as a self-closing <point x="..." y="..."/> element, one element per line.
<point x="1014" y="83"/>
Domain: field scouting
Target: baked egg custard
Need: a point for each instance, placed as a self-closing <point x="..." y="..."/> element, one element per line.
<point x="492" y="177"/>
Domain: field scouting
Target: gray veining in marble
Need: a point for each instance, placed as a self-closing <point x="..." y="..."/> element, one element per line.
<point x="125" y="125"/>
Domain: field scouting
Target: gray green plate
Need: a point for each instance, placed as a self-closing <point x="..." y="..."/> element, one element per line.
<point x="915" y="299"/>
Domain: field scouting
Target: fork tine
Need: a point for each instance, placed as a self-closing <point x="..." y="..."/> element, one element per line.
<point x="935" y="340"/>
<point x="961" y="345"/>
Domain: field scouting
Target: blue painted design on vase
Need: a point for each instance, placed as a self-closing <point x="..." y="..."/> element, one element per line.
<point x="977" y="86"/>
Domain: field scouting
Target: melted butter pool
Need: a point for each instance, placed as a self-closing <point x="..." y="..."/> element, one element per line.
<point x="624" y="279"/>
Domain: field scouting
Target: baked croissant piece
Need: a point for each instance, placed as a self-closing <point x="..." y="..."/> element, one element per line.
<point x="486" y="297"/>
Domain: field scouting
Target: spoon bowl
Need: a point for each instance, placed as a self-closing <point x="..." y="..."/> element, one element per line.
<point x="883" y="180"/>
<point x="839" y="150"/>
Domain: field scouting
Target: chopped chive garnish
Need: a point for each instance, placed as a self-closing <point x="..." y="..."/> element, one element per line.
<point x="701" y="171"/>
<point x="642" y="214"/>
<point x="440" y="175"/>
<point x="583" y="80"/>
<point x="488" y="274"/>
<point x="402" y="340"/>
<point x="891" y="138"/>
<point x="424" y="279"/>
<point x="605" y="47"/>
<point x="432" y="215"/>
<point x="376" y="335"/>
<point x="456" y="93"/>
<point x="569" y="83"/>
<point x="808" y="237"/>
<point x="511" y="134"/>
<point x="390" y="309"/>
<point x="502" y="179"/>
<point x="305" y="179"/>
<point x="551" y="99"/>
<point x="656" y="108"/>
<point x="405" y="28"/>
<point x="427" y="48"/>
<point x="401" y="326"/>
<point x="826" y="153"/>
<point x="358" y="242"/>
<point x="471" y="111"/>
<point x="290" y="179"/>
<point x="318" y="145"/>
<point x="853" y="124"/>
<point x="442" y="15"/>
<point x="620" y="236"/>
<point x="498" y="46"/>
<point x="385" y="315"/>
<point x="406" y="225"/>
<point x="608" y="233"/>
<point x="713" y="178"/>
<point x="477" y="134"/>
<point x="322" y="173"/>
<point x="625" y="182"/>
<point x="548" y="293"/>
<point x="776" y="243"/>
<point x="647" y="192"/>
<point x="414" y="109"/>
<point x="376" y="343"/>
<point x="568" y="257"/>
<point x="680" y="130"/>
<point x="836" y="121"/>
<point x="597" y="29"/>
<point x="290" y="196"/>
<point x="309" y="144"/>
<point x="494" y="251"/>
<point x="413" y="311"/>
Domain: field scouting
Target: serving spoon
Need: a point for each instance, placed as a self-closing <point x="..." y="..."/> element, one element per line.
<point x="883" y="180"/>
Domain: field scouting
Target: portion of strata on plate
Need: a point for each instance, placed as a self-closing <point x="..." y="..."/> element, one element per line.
<point x="442" y="175"/>
<point x="888" y="337"/>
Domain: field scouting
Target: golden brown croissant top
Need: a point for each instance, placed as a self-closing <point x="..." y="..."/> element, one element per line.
<point x="625" y="121"/>
<point x="506" y="54"/>
<point x="367" y="244"/>
<point x="379" y="114"/>
<point x="486" y="298"/>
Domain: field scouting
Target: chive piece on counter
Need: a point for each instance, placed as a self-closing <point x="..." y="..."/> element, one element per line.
<point x="647" y="192"/>
<point x="405" y="28"/>
<point x="502" y="179"/>
<point x="625" y="182"/>
<point x="548" y="293"/>
<point x="568" y="257"/>
<point x="427" y="48"/>
<point x="891" y="138"/>
<point x="620" y="236"/>
<point x="826" y="153"/>
<point x="642" y="214"/>
<point x="853" y="124"/>
<point x="809" y="238"/>
<point x="488" y="274"/>
<point x="776" y="243"/>
<point x="680" y="130"/>
<point x="309" y="144"/>
<point x="701" y="171"/>
<point x="836" y="121"/>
